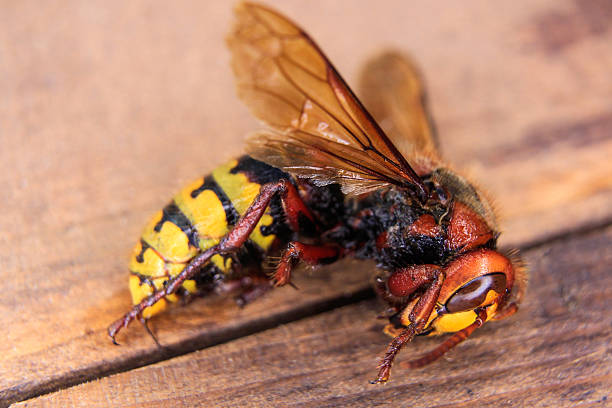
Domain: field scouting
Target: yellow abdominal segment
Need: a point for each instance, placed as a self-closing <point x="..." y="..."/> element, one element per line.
<point x="242" y="193"/>
<point x="205" y="211"/>
<point x="169" y="240"/>
<point x="198" y="217"/>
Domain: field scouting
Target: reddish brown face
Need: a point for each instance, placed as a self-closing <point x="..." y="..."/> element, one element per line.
<point x="474" y="293"/>
<point x="480" y="279"/>
<point x="472" y="267"/>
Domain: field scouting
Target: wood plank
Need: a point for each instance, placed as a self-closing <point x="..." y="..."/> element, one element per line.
<point x="554" y="352"/>
<point x="108" y="108"/>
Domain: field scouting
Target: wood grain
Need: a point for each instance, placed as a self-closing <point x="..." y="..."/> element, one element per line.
<point x="555" y="352"/>
<point x="108" y="108"/>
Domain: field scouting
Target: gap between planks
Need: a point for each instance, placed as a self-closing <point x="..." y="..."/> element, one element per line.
<point x="256" y="326"/>
<point x="558" y="343"/>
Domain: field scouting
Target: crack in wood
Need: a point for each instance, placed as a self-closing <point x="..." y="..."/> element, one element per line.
<point x="206" y="340"/>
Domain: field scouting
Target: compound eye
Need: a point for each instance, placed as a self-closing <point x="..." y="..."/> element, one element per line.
<point x="473" y="294"/>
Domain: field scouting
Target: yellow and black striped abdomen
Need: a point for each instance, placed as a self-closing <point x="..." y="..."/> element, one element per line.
<point x="196" y="219"/>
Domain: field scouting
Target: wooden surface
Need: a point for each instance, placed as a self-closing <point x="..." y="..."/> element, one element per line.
<point x="107" y="109"/>
<point x="556" y="352"/>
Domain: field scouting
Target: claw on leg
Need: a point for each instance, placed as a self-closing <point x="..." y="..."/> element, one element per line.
<point x="311" y="254"/>
<point x="418" y="317"/>
<point x="385" y="365"/>
<point x="145" y="323"/>
<point x="230" y="243"/>
<point x="257" y="287"/>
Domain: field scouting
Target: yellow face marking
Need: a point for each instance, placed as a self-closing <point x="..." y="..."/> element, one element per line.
<point x="242" y="193"/>
<point x="170" y="241"/>
<point x="454" y="322"/>
<point x="205" y="212"/>
<point x="491" y="296"/>
<point x="491" y="310"/>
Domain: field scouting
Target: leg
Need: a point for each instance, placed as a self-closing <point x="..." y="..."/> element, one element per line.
<point x="258" y="286"/>
<point x="229" y="243"/>
<point x="448" y="344"/>
<point x="248" y="288"/>
<point x="145" y="323"/>
<point x="382" y="291"/>
<point x="402" y="283"/>
<point x="311" y="254"/>
<point x="296" y="211"/>
<point x="418" y="318"/>
<point x="506" y="311"/>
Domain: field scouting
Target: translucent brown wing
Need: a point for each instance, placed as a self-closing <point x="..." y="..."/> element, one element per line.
<point x="392" y="89"/>
<point x="321" y="131"/>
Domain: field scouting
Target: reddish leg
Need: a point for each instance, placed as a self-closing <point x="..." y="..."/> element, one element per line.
<point x="506" y="311"/>
<point x="418" y="318"/>
<point x="311" y="254"/>
<point x="380" y="288"/>
<point x="448" y="344"/>
<point x="230" y="243"/>
<point x="144" y="322"/>
<point x="403" y="282"/>
<point x="293" y="207"/>
<point x="248" y="288"/>
<point x="258" y="287"/>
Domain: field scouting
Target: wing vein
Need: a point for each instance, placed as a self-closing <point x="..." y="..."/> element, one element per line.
<point x="324" y="109"/>
<point x="272" y="93"/>
<point x="319" y="128"/>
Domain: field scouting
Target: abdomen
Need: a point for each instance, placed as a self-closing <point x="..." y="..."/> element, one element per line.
<point x="196" y="219"/>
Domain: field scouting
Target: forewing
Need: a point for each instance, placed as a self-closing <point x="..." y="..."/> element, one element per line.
<point x="288" y="83"/>
<point x="313" y="157"/>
